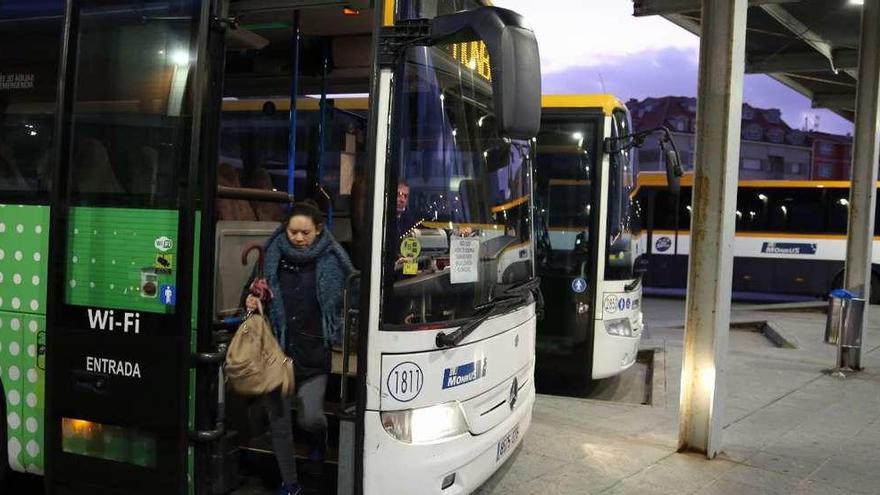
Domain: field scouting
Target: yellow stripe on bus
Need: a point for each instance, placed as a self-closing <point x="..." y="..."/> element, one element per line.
<point x="608" y="103"/>
<point x="658" y="179"/>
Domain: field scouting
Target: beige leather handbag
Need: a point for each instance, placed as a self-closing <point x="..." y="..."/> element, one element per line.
<point x="255" y="363"/>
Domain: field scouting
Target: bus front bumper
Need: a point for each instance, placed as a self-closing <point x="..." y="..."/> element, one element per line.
<point x="394" y="467"/>
<point x="612" y="354"/>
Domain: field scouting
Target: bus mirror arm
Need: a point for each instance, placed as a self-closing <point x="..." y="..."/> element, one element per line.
<point x="674" y="171"/>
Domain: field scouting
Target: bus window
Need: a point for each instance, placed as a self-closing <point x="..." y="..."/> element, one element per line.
<point x="796" y="210"/>
<point x="30" y="33"/>
<point x="665" y="209"/>
<point x="838" y="216"/>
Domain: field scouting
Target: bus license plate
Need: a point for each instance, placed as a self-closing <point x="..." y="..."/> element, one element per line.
<point x="505" y="443"/>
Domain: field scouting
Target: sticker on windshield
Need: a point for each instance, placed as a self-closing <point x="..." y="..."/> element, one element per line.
<point x="579" y="285"/>
<point x="464" y="260"/>
<point x="410" y="247"/>
<point x="404" y="382"/>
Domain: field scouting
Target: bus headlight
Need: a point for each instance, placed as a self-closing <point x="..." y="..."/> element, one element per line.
<point x="619" y="327"/>
<point x="426" y="424"/>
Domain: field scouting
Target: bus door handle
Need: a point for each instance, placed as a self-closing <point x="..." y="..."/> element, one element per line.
<point x="348" y="313"/>
<point x="217" y="358"/>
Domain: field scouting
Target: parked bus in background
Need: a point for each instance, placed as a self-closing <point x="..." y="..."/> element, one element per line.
<point x="126" y="200"/>
<point x="589" y="255"/>
<point x="790" y="240"/>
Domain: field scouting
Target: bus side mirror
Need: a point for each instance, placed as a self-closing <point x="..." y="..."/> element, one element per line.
<point x="516" y="66"/>
<point x="673" y="171"/>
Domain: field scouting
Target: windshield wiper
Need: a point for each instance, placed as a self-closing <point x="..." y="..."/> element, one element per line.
<point x="509" y="297"/>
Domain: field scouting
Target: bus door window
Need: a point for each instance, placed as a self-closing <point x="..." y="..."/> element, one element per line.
<point x="127" y="134"/>
<point x="621" y="233"/>
<point x="567" y="151"/>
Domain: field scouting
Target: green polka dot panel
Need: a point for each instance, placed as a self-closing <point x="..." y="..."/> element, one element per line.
<point x="121" y="258"/>
<point x="22" y="375"/>
<point x="24" y="244"/>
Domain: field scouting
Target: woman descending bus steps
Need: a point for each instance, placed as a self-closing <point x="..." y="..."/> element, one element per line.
<point x="306" y="270"/>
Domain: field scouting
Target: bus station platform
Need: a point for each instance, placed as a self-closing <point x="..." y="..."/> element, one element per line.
<point x="790" y="426"/>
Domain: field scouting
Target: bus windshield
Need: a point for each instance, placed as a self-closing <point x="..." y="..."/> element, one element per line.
<point x="567" y="150"/>
<point x="460" y="222"/>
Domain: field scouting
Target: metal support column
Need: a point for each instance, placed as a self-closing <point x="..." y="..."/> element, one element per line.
<point x="719" y="113"/>
<point x="860" y="236"/>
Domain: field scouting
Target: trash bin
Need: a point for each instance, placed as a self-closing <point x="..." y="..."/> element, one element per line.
<point x="844" y="325"/>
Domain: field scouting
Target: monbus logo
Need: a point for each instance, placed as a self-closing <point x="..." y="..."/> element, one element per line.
<point x="788" y="248"/>
<point x="105" y="319"/>
<point x="465" y="373"/>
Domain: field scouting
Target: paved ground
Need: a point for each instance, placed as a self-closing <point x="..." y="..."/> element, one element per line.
<point x="790" y="428"/>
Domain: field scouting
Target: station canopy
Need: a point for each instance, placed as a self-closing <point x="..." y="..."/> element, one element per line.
<point x="811" y="46"/>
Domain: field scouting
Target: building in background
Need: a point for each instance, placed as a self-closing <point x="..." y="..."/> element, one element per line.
<point x="770" y="148"/>
<point x="832" y="156"/>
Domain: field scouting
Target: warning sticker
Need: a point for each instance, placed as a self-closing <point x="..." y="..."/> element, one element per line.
<point x="164" y="261"/>
<point x="410" y="247"/>
<point x="464" y="260"/>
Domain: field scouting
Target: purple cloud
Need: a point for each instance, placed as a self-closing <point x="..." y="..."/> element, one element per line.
<point x="673" y="72"/>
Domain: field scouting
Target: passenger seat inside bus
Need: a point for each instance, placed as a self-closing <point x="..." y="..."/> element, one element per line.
<point x="232" y="209"/>
<point x="264" y="211"/>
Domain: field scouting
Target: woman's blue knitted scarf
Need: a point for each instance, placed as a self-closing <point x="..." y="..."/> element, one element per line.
<point x="332" y="269"/>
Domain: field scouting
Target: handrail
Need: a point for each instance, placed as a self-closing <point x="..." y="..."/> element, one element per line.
<point x="252" y="194"/>
<point x="347" y="312"/>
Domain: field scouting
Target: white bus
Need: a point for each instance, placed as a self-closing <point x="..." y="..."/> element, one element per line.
<point x="128" y="216"/>
<point x="790" y="241"/>
<point x="591" y="283"/>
